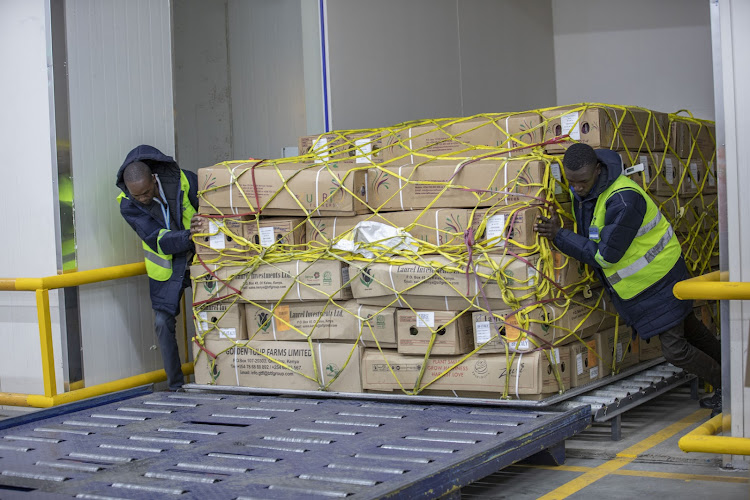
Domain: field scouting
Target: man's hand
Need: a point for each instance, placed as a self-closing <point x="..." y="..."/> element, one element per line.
<point x="198" y="225"/>
<point x="548" y="226"/>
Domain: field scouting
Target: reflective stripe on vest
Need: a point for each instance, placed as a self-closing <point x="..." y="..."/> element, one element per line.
<point x="652" y="253"/>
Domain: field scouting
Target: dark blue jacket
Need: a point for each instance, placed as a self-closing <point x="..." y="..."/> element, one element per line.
<point x="654" y="310"/>
<point x="148" y="221"/>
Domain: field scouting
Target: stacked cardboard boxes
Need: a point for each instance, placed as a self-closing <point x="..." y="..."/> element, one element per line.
<point x="405" y="257"/>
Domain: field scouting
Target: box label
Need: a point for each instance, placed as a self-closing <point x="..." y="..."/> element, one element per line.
<point x="571" y="125"/>
<point x="267" y="236"/>
<point x="282" y="313"/>
<point x="425" y="319"/>
<point x="694" y="172"/>
<point x="594" y="372"/>
<point x="619" y="352"/>
<point x="495" y="228"/>
<point x="216" y="241"/>
<point x="579" y="363"/>
<point x="669" y="170"/>
<point x="483" y="331"/>
<point x="364" y="147"/>
<point x="646" y="174"/>
<point x="521" y="345"/>
<point x="228" y="333"/>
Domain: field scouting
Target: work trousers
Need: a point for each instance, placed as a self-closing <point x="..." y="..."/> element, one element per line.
<point x="165" y="325"/>
<point x="692" y="347"/>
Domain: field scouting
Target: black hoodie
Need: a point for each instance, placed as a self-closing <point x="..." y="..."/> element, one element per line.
<point x="148" y="221"/>
<point x="654" y="310"/>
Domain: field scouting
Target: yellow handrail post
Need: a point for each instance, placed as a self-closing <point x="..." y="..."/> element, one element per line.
<point x="45" y="342"/>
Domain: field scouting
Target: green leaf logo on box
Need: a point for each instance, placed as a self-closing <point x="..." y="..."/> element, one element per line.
<point x="332" y="370"/>
<point x="365" y="277"/>
<point x="263" y="320"/>
<point x="209" y="286"/>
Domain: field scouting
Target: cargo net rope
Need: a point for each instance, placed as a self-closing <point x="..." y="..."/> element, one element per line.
<point x="429" y="225"/>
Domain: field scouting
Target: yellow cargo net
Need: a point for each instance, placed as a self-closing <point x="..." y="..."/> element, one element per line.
<point x="431" y="215"/>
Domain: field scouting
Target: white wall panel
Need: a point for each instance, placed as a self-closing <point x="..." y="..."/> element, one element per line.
<point x="120" y="79"/>
<point x="27" y="197"/>
<point x="643" y="53"/>
<point x="734" y="79"/>
<point x="267" y="76"/>
<point x="203" y="101"/>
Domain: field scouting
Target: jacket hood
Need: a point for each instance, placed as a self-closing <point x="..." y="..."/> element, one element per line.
<point x="611" y="170"/>
<point x="159" y="162"/>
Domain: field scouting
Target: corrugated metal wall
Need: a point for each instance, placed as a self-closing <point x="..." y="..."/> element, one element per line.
<point x="27" y="195"/>
<point x="120" y="78"/>
<point x="267" y="76"/>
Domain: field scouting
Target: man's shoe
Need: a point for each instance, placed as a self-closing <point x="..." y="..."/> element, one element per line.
<point x="712" y="402"/>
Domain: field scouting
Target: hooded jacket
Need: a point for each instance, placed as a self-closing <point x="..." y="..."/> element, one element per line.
<point x="148" y="221"/>
<point x="652" y="311"/>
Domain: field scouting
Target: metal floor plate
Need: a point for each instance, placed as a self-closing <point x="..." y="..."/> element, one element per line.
<point x="224" y="446"/>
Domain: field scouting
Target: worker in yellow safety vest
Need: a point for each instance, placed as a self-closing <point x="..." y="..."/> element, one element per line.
<point x="159" y="201"/>
<point x="634" y="251"/>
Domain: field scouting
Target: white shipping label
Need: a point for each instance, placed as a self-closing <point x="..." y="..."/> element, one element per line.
<point x="495" y="228"/>
<point x="521" y="345"/>
<point x="619" y="352"/>
<point x="228" y="333"/>
<point x="345" y="274"/>
<point x="571" y="125"/>
<point x="555" y="170"/>
<point x="579" y="363"/>
<point x="711" y="176"/>
<point x="204" y="325"/>
<point x="216" y="241"/>
<point x="694" y="171"/>
<point x="484" y="332"/>
<point x="594" y="372"/>
<point x="364" y="147"/>
<point x="425" y="319"/>
<point x="321" y="143"/>
<point x="531" y="274"/>
<point x="669" y="170"/>
<point x="646" y="174"/>
<point x="556" y="356"/>
<point x="267" y="236"/>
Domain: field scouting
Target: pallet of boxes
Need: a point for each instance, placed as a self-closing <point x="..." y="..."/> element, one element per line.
<point x="403" y="260"/>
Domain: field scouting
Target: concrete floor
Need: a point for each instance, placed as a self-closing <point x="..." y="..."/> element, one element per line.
<point x="593" y="470"/>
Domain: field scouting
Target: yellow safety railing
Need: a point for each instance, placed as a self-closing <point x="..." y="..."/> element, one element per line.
<point x="702" y="439"/>
<point x="42" y="286"/>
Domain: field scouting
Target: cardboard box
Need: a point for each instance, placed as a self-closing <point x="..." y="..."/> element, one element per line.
<point x="295" y="189"/>
<point x="530" y="374"/>
<point x="657" y="173"/>
<point x="257" y="364"/>
<point x="504" y="227"/>
<point x="584" y="363"/>
<point x="291" y="281"/>
<point x="449" y="184"/>
<point x="356" y="148"/>
<point x="695" y="136"/>
<point x="606" y="127"/>
<point x="649" y="348"/>
<point x="270" y="230"/>
<point x="464" y="137"/>
<point x="677" y="214"/>
<point x="625" y="350"/>
<point x="692" y="175"/>
<point x="223" y="238"/>
<point x="442" y="226"/>
<point x="224" y="319"/>
<point x="322" y="321"/>
<point x="540" y="325"/>
<point x="452" y="331"/>
<point x="439" y="280"/>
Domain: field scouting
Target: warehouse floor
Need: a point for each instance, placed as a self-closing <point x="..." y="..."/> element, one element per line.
<point x="650" y="465"/>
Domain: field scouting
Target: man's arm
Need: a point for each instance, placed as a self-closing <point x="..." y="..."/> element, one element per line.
<point x="171" y="242"/>
<point x="624" y="215"/>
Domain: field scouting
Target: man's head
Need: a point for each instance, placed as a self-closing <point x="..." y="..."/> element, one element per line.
<point x="582" y="168"/>
<point x="140" y="182"/>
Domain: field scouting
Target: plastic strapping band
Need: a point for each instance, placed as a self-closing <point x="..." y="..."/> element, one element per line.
<point x="446" y="303"/>
<point x="367" y="191"/>
<point x="359" y="322"/>
<point x="334" y="227"/>
<point x="437" y="227"/>
<point x="393" y="286"/>
<point x="321" y="364"/>
<point x="273" y="325"/>
<point x="232" y="180"/>
<point x="400" y="191"/>
<point x="505" y="179"/>
<point x="296" y="279"/>
<point x="411" y="150"/>
<point x="236" y="368"/>
<point x="518" y="373"/>
<point x="317" y="190"/>
<point x="507" y="133"/>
